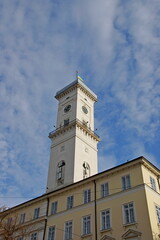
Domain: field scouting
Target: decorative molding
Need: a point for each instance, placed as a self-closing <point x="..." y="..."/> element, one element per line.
<point x="131" y="233"/>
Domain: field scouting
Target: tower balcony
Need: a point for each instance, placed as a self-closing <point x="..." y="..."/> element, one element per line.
<point x="67" y="125"/>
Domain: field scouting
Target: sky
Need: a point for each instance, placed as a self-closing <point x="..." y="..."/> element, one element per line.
<point x="114" y="45"/>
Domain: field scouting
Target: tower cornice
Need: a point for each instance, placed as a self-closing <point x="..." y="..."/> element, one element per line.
<point x="75" y="123"/>
<point x="72" y="86"/>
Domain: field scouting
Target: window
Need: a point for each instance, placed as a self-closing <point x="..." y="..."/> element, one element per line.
<point x="22" y="218"/>
<point x="86" y="225"/>
<point x="20" y="238"/>
<point x="69" y="202"/>
<point x="86" y="170"/>
<point x="54" y="207"/>
<point x="153" y="183"/>
<point x="9" y="220"/>
<point x="126" y="182"/>
<point x="36" y="213"/>
<point x="158" y="213"/>
<point x="60" y="171"/>
<point x="51" y="233"/>
<point x="66" y="122"/>
<point x="128" y="213"/>
<point x="104" y="190"/>
<point x="105" y="219"/>
<point x="68" y="230"/>
<point x="87" y="196"/>
<point x="34" y="236"/>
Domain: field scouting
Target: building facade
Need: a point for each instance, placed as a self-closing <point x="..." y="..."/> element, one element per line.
<point x="120" y="203"/>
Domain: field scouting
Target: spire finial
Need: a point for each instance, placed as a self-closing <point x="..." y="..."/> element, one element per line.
<point x="76" y="75"/>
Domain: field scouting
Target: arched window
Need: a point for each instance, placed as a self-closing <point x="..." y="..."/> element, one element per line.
<point x="60" y="172"/>
<point x="86" y="170"/>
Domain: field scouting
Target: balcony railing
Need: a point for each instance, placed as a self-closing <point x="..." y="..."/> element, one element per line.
<point x="83" y="124"/>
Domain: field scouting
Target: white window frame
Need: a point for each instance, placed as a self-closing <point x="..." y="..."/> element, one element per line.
<point x="36" y="213"/>
<point x="54" y="207"/>
<point x="22" y="218"/>
<point x="104" y="189"/>
<point x="20" y="238"/>
<point x="68" y="231"/>
<point x="87" y="195"/>
<point x="153" y="183"/>
<point x="158" y="213"/>
<point x="34" y="236"/>
<point x="105" y="219"/>
<point x="126" y="182"/>
<point x="129" y="212"/>
<point x="86" y="225"/>
<point x="70" y="200"/>
<point x="51" y="233"/>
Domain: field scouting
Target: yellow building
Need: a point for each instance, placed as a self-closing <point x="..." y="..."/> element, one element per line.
<point x="120" y="203"/>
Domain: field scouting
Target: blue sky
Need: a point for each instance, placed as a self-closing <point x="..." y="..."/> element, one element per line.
<point x="115" y="46"/>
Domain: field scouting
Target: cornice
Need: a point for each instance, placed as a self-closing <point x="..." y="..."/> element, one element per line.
<point x="75" y="123"/>
<point x="75" y="85"/>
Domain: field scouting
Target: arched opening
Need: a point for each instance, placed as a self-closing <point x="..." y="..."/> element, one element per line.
<point x="60" y="172"/>
<point x="86" y="170"/>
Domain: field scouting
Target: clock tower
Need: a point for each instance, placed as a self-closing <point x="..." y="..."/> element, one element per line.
<point x="74" y="143"/>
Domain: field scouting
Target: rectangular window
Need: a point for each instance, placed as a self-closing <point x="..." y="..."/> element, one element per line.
<point x="36" y="213"/>
<point x="87" y="195"/>
<point x="105" y="219"/>
<point x="129" y="213"/>
<point x="104" y="190"/>
<point x="20" y="238"/>
<point x="54" y="207"/>
<point x="153" y="183"/>
<point x="126" y="184"/>
<point x="68" y="230"/>
<point x="51" y="233"/>
<point x="86" y="225"/>
<point x="22" y="218"/>
<point x="158" y="213"/>
<point x="34" y="236"/>
<point x="69" y="202"/>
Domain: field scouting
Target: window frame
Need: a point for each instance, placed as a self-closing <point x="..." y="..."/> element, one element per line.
<point x="104" y="190"/>
<point x="54" y="207"/>
<point x="87" y="196"/>
<point x="51" y="234"/>
<point x="129" y="213"/>
<point x="153" y="183"/>
<point x="20" y="238"/>
<point x="158" y="213"/>
<point x="68" y="230"/>
<point x="86" y="222"/>
<point x="36" y="213"/>
<point x="126" y="182"/>
<point x="105" y="224"/>
<point x="34" y="237"/>
<point x="22" y="218"/>
<point x="70" y="202"/>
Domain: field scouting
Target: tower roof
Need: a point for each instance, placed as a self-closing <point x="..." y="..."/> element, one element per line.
<point x="77" y="83"/>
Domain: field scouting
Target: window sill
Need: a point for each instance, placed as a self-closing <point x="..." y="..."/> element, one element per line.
<point x="129" y="224"/>
<point x="86" y="235"/>
<point x="106" y="230"/>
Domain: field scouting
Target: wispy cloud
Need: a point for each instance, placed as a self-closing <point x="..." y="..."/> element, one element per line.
<point x="114" y="45"/>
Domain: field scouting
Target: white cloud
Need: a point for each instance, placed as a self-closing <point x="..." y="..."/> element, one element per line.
<point x="115" y="47"/>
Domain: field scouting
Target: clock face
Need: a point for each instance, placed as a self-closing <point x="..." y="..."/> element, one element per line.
<point x="84" y="109"/>
<point x="67" y="108"/>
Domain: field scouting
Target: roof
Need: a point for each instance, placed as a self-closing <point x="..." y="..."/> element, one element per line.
<point x="73" y="84"/>
<point x="141" y="160"/>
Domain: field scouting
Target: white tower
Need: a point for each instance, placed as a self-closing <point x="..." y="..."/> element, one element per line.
<point x="74" y="143"/>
